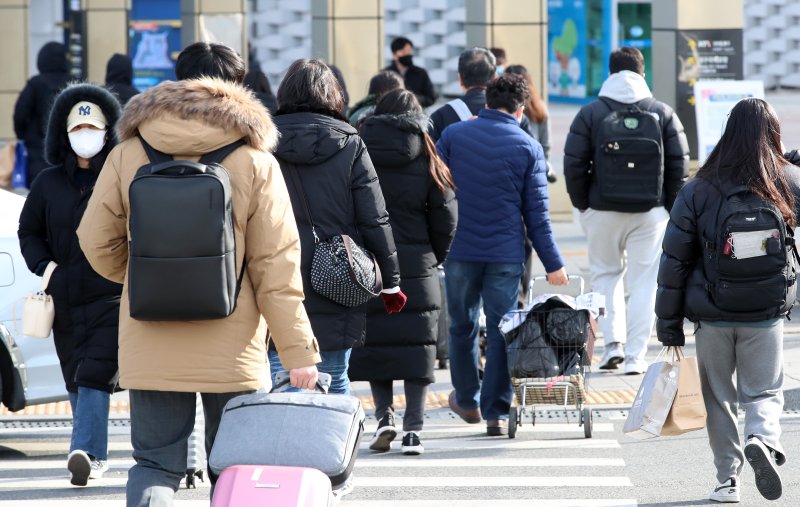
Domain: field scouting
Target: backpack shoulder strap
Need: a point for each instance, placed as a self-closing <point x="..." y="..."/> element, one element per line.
<point x="646" y="104"/>
<point x="155" y="156"/>
<point x="461" y="109"/>
<point x="220" y="154"/>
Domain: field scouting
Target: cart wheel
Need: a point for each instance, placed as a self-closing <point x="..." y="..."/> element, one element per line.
<point x="512" y="422"/>
<point x="587" y="422"/>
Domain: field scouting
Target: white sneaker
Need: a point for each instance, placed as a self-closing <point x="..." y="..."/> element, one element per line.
<point x="80" y="467"/>
<point x="613" y="356"/>
<point x="727" y="492"/>
<point x="99" y="467"/>
<point x="634" y="366"/>
<point x="760" y="457"/>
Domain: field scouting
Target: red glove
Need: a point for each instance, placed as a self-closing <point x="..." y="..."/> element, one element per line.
<point x="394" y="302"/>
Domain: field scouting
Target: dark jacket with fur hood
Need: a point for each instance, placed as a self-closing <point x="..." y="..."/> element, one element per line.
<point x="423" y="219"/>
<point x="344" y="196"/>
<point x="87" y="305"/>
<point x="188" y="119"/>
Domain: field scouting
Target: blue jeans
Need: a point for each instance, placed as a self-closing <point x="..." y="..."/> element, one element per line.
<point x="497" y="285"/>
<point x="334" y="363"/>
<point x="90" y="422"/>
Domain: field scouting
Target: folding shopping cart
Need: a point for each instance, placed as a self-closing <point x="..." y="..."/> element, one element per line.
<point x="549" y="348"/>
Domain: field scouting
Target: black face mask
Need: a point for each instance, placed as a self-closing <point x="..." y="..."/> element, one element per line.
<point x="406" y="60"/>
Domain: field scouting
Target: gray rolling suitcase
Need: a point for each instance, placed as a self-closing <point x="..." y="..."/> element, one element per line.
<point x="312" y="430"/>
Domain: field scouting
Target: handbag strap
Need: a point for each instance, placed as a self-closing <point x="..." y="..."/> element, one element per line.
<point x="48" y="272"/>
<point x="375" y="291"/>
<point x="298" y="185"/>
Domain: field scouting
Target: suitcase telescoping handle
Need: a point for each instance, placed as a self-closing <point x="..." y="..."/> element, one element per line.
<point x="571" y="278"/>
<point x="282" y="382"/>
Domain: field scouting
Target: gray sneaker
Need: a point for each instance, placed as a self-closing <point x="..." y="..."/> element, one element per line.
<point x="99" y="467"/>
<point x="613" y="356"/>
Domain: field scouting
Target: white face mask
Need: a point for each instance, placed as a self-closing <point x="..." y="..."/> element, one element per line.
<point x="87" y="143"/>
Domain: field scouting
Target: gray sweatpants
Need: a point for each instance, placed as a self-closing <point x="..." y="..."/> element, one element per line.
<point x="755" y="355"/>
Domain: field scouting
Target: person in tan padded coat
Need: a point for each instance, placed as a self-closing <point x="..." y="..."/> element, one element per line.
<point x="164" y="364"/>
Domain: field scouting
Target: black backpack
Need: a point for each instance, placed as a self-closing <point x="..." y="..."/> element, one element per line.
<point x="752" y="263"/>
<point x="182" y="263"/>
<point x="629" y="154"/>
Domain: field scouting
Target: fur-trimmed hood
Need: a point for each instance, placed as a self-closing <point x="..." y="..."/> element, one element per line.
<point x="394" y="140"/>
<point x="56" y="141"/>
<point x="197" y="116"/>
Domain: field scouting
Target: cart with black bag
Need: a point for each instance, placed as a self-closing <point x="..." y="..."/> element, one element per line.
<point x="549" y="346"/>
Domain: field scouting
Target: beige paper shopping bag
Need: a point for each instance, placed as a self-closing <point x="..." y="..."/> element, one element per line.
<point x="688" y="412"/>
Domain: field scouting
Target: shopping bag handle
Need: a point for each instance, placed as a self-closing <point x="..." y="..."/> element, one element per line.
<point x="283" y="382"/>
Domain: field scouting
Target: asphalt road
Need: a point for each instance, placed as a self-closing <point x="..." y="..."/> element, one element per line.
<point x="551" y="464"/>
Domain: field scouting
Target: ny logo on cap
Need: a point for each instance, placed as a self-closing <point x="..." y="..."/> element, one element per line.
<point x="84" y="110"/>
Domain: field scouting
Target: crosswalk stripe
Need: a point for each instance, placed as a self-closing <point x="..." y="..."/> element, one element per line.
<point x="492" y="482"/>
<point x="539" y="428"/>
<point x="483" y="462"/>
<point x="364" y="503"/>
<point x="605" y="502"/>
<point x="60" y="463"/>
<point x="509" y="444"/>
<point x="93" y="503"/>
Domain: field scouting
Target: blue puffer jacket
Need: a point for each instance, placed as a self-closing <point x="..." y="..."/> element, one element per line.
<point x="499" y="173"/>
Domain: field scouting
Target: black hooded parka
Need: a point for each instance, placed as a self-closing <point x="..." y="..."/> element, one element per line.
<point x="86" y="325"/>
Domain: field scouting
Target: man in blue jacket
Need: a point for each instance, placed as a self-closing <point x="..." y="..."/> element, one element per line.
<point x="501" y="189"/>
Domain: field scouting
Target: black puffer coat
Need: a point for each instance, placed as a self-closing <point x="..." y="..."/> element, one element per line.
<point x="423" y="218"/>
<point x="33" y="105"/>
<point x="342" y="190"/>
<point x="119" y="77"/>
<point x="682" y="277"/>
<point x="579" y="153"/>
<point x="87" y="305"/>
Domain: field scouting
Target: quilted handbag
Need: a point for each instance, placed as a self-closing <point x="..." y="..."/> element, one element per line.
<point x="341" y="270"/>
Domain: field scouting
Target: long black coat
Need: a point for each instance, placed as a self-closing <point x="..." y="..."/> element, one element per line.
<point x="423" y="218"/>
<point x="33" y="105"/>
<point x="344" y="196"/>
<point x="87" y="305"/>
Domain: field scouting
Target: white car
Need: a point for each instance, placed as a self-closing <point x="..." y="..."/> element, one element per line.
<point x="29" y="369"/>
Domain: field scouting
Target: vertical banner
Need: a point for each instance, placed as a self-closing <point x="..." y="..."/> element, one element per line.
<point x="713" y="101"/>
<point x="704" y="54"/>
<point x="154" y="48"/>
<point x="567" y="43"/>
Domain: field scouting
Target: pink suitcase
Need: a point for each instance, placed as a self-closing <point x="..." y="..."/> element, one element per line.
<point x="272" y="486"/>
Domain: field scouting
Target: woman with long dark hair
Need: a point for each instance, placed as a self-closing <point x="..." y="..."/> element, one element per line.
<point x="730" y="267"/>
<point x="330" y="177"/>
<point x="80" y="135"/>
<point x="420" y="198"/>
